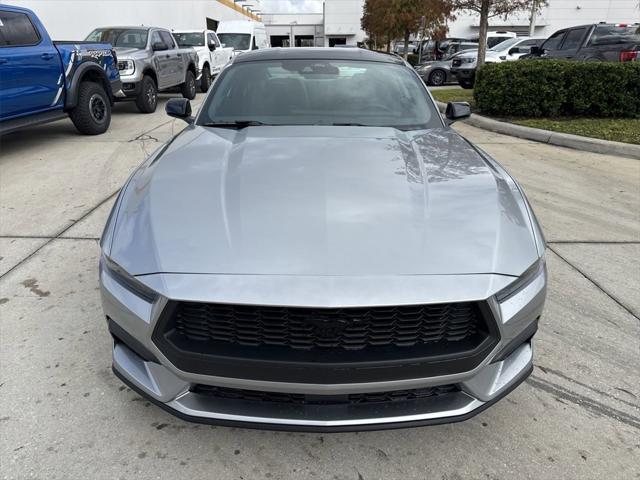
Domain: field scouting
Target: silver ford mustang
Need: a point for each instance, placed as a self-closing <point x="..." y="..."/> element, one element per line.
<point x="318" y="250"/>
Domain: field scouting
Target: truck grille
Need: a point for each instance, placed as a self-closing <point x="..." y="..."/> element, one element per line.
<point x="308" y="329"/>
<point x="304" y="399"/>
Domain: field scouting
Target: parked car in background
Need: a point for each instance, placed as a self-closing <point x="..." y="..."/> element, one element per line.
<point x="494" y="38"/>
<point x="42" y="80"/>
<point x="464" y="65"/>
<point x="438" y="72"/>
<point x="600" y="42"/>
<point x="242" y="36"/>
<point x="212" y="57"/>
<point x="150" y="60"/>
<point x="253" y="274"/>
<point x="398" y="48"/>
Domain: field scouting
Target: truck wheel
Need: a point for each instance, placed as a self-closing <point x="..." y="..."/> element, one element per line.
<point x="188" y="88"/>
<point x="92" y="114"/>
<point x="205" y="80"/>
<point x="466" y="84"/>
<point x="147" y="100"/>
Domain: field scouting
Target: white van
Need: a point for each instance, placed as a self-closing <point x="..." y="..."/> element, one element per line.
<point x="242" y="36"/>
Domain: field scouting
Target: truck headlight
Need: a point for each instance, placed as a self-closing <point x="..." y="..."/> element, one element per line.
<point x="126" y="67"/>
<point x="128" y="281"/>
<point x="529" y="275"/>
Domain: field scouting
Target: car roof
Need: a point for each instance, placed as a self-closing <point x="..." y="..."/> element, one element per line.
<point x="314" y="53"/>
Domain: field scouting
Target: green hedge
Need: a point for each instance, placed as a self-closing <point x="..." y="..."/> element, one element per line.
<point x="553" y="88"/>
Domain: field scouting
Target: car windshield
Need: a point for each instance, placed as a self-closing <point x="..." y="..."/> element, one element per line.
<point x="237" y="41"/>
<point x="505" y="44"/>
<point x="189" y="39"/>
<point x="320" y="92"/>
<point x="120" y="37"/>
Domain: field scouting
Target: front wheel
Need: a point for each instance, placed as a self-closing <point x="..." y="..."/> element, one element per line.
<point x="147" y="100"/>
<point x="437" y="78"/>
<point x="205" y="80"/>
<point x="468" y="84"/>
<point x="92" y="114"/>
<point x="188" y="88"/>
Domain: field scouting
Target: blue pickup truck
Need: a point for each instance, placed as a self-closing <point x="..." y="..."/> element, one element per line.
<point x="42" y="80"/>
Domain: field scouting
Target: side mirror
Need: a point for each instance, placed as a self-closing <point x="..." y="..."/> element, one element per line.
<point x="536" y="50"/>
<point x="514" y="50"/>
<point x="456" y="111"/>
<point x="212" y="46"/>
<point x="159" y="46"/>
<point x="179" y="108"/>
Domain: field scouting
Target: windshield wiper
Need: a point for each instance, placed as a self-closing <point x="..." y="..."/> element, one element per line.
<point x="237" y="124"/>
<point x="350" y="124"/>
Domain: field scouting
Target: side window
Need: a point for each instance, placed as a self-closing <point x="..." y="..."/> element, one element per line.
<point x="212" y="38"/>
<point x="168" y="39"/>
<point x="17" y="30"/>
<point x="574" y="39"/>
<point x="156" y="38"/>
<point x="553" y="42"/>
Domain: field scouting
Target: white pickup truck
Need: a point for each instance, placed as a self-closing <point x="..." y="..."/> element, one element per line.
<point x="212" y="56"/>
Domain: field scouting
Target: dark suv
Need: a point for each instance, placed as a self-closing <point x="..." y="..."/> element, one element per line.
<point x="602" y="41"/>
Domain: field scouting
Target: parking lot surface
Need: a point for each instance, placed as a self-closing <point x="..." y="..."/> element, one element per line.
<point x="65" y="416"/>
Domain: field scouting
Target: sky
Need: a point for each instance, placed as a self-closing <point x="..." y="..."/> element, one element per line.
<point x="291" y="6"/>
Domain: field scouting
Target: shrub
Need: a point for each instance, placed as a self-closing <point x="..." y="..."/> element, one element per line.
<point x="552" y="88"/>
<point x="413" y="58"/>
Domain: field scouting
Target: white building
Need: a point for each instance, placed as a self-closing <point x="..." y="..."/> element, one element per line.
<point x="75" y="19"/>
<point x="337" y="24"/>
<point x="557" y="15"/>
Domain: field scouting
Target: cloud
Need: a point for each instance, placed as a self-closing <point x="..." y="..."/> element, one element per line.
<point x="291" y="6"/>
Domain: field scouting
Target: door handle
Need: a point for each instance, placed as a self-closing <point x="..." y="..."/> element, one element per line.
<point x="46" y="56"/>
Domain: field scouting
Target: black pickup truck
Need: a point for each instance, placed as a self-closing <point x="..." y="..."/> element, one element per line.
<point x="598" y="42"/>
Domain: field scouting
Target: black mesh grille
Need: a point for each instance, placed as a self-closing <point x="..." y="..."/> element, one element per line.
<point x="345" y="329"/>
<point x="303" y="399"/>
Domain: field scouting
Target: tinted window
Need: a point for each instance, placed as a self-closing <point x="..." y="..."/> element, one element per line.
<point x="167" y="38"/>
<point x="214" y="38"/>
<point x="16" y="29"/>
<point x="191" y="39"/>
<point x="574" y="39"/>
<point x="156" y="38"/>
<point x="321" y="92"/>
<point x="494" y="41"/>
<point x="120" y="37"/>
<point x="612" y="34"/>
<point x="553" y="41"/>
<point x="504" y="44"/>
<point x="238" y="41"/>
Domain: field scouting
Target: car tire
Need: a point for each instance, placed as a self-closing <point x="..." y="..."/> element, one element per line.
<point x="147" y="100"/>
<point x="92" y="113"/>
<point x="188" y="88"/>
<point x="437" y="78"/>
<point x="205" y="80"/>
<point x="467" y="84"/>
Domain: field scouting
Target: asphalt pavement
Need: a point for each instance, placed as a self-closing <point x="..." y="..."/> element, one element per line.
<point x="65" y="416"/>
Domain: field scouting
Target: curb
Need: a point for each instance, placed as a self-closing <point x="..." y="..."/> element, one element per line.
<point x="576" y="142"/>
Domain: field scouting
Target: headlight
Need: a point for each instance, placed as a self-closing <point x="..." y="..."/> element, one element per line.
<point x="468" y="60"/>
<point x="522" y="281"/>
<point x="128" y="281"/>
<point x="126" y="67"/>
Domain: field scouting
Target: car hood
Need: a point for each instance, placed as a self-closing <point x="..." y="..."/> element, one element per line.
<point x="321" y="201"/>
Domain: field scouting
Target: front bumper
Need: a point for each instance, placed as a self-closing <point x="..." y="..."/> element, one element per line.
<point x="463" y="73"/>
<point x="140" y="364"/>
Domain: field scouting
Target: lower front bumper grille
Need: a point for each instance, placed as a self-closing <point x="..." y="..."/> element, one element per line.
<point x="304" y="399"/>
